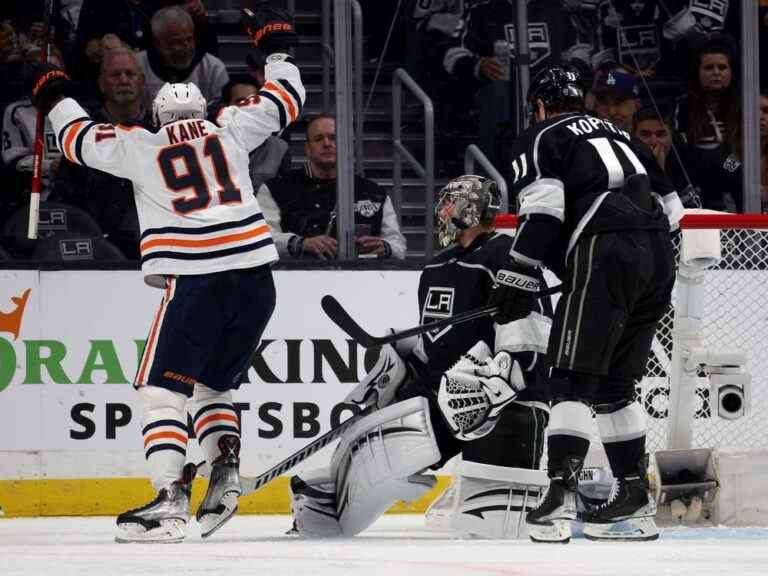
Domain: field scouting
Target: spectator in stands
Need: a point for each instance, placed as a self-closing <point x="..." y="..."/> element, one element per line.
<point x="18" y="141"/>
<point x="271" y="157"/>
<point x="301" y="206"/>
<point x="173" y="57"/>
<point x="708" y="119"/>
<point x="616" y="97"/>
<point x="128" y="21"/>
<point x="471" y="58"/>
<point x="669" y="151"/>
<point x="107" y="198"/>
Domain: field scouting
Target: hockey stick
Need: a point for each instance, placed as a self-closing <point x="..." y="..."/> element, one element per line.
<point x="250" y="484"/>
<point x="343" y="320"/>
<point x="37" y="162"/>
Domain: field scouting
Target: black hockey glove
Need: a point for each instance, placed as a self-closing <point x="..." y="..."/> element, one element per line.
<point x="271" y="29"/>
<point x="46" y="83"/>
<point x="514" y="292"/>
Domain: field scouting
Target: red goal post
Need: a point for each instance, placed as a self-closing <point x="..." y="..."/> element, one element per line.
<point x="718" y="314"/>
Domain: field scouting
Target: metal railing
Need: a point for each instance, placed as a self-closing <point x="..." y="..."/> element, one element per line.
<point x="328" y="55"/>
<point x="425" y="171"/>
<point x="474" y="154"/>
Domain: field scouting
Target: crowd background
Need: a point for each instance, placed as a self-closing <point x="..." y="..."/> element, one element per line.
<point x="667" y="71"/>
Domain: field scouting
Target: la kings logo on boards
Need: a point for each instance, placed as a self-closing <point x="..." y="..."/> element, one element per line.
<point x="437" y="305"/>
<point x="538" y="41"/>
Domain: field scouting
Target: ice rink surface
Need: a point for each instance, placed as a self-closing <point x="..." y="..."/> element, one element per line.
<point x="396" y="545"/>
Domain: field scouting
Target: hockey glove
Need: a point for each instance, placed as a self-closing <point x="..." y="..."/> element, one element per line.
<point x="471" y="403"/>
<point x="46" y="83"/>
<point x="271" y="29"/>
<point x="514" y="292"/>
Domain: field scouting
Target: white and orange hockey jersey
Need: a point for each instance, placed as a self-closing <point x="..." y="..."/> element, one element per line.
<point x="196" y="206"/>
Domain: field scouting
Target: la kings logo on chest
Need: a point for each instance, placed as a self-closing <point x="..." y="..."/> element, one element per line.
<point x="438" y="305"/>
<point x="538" y="40"/>
<point x="367" y="208"/>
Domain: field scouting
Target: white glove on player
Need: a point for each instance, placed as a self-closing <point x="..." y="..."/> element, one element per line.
<point x="380" y="385"/>
<point x="472" y="398"/>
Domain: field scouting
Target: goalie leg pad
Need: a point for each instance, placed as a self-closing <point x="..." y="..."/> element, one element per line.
<point x="488" y="501"/>
<point x="313" y="504"/>
<point x="378" y="460"/>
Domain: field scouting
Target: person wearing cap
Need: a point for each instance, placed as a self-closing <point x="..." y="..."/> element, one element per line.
<point x="617" y="97"/>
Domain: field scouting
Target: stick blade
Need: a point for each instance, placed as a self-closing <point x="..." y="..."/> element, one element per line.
<point x="335" y="311"/>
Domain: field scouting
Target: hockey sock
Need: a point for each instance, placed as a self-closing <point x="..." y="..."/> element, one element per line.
<point x="214" y="416"/>
<point x="569" y="433"/>
<point x="623" y="436"/>
<point x="164" y="428"/>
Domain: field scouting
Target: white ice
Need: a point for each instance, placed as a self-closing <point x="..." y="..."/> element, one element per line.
<point x="395" y="545"/>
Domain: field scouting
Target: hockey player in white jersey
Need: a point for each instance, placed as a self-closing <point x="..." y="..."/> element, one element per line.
<point x="205" y="241"/>
<point x="385" y="456"/>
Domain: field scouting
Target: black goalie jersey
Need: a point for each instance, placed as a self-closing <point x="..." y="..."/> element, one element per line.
<point x="569" y="178"/>
<point x="458" y="280"/>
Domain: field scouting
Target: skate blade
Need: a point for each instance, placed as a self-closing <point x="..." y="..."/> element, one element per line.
<point x="631" y="530"/>
<point x="169" y="532"/>
<point x="211" y="522"/>
<point x="557" y="532"/>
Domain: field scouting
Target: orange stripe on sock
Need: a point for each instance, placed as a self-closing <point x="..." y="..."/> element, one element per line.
<point x="223" y="417"/>
<point x="169" y="435"/>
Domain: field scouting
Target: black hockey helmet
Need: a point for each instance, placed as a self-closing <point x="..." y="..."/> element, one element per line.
<point x="557" y="87"/>
<point x="464" y="202"/>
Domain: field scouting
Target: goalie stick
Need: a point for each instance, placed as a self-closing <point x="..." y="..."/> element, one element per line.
<point x="250" y="484"/>
<point x="37" y="162"/>
<point x="343" y="320"/>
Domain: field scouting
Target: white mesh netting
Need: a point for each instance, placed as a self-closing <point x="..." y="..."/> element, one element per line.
<point x="735" y="317"/>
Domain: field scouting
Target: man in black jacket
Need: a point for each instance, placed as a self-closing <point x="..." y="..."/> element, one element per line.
<point x="300" y="207"/>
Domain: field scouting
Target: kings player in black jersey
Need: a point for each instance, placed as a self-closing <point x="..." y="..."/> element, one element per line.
<point x="498" y="478"/>
<point x="596" y="209"/>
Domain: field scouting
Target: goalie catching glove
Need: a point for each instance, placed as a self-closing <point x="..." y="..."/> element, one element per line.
<point x="476" y="389"/>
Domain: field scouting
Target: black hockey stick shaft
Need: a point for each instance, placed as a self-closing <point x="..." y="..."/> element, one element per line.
<point x="251" y="484"/>
<point x="343" y="320"/>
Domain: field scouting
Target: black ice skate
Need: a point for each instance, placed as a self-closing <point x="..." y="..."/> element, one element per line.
<point x="220" y="502"/>
<point x="628" y="513"/>
<point x="162" y="520"/>
<point x="551" y="521"/>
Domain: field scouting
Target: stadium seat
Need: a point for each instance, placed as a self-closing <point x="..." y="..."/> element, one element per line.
<point x="56" y="218"/>
<point x="74" y="247"/>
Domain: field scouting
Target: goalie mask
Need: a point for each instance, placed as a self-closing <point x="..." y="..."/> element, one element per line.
<point x="177" y="102"/>
<point x="464" y="202"/>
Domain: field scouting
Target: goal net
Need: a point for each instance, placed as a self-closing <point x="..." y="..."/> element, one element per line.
<point x="726" y="316"/>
